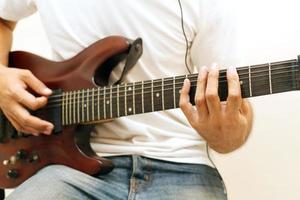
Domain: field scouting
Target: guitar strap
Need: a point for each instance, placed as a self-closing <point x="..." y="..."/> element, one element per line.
<point x="135" y="52"/>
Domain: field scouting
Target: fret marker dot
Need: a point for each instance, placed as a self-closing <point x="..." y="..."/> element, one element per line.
<point x="85" y="105"/>
<point x="241" y="82"/>
<point x="107" y="102"/>
<point x="129" y="109"/>
<point x="157" y="94"/>
<point x="129" y="88"/>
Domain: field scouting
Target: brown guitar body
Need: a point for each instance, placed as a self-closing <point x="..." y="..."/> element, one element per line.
<point x="22" y="157"/>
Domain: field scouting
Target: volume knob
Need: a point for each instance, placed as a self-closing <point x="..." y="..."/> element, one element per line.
<point x="22" y="154"/>
<point x="12" y="173"/>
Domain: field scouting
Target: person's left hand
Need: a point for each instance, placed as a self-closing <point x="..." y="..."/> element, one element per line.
<point x="224" y="125"/>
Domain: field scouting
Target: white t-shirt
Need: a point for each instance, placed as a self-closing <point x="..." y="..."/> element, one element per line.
<point x="72" y="25"/>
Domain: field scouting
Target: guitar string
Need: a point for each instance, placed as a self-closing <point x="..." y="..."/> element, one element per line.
<point x="131" y="113"/>
<point x="171" y="79"/>
<point x="107" y="97"/>
<point x="148" y="88"/>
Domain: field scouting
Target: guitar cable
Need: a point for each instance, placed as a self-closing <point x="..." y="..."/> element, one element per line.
<point x="188" y="69"/>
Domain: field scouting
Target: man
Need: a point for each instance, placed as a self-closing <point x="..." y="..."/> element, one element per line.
<point x="160" y="155"/>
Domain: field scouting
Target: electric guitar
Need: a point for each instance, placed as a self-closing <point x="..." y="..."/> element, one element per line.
<point x="82" y="95"/>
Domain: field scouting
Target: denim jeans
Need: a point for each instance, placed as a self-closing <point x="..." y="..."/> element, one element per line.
<point x="134" y="177"/>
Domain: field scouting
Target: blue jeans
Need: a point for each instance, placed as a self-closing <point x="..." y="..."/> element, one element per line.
<point x="134" y="177"/>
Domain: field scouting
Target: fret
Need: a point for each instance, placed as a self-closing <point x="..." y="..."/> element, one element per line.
<point x="174" y="91"/>
<point x="93" y="105"/>
<point x="107" y="102"/>
<point x="178" y="85"/>
<point x="162" y="94"/>
<point x="152" y="103"/>
<point x="70" y="108"/>
<point x="82" y="106"/>
<point x="168" y="93"/>
<point x="78" y="106"/>
<point x="104" y="102"/>
<point x="87" y="105"/>
<point x="101" y="103"/>
<point x="148" y="101"/>
<point x="63" y="109"/>
<point x="260" y="79"/>
<point x="118" y="100"/>
<point x="244" y="81"/>
<point x="98" y="104"/>
<point x="129" y="99"/>
<point x="114" y="101"/>
<point x="296" y="74"/>
<point x="125" y="96"/>
<point x="283" y="76"/>
<point x="67" y="108"/>
<point x="122" y="100"/>
<point x="74" y="107"/>
<point x="143" y="107"/>
<point x="133" y="97"/>
<point x="157" y="95"/>
<point x="270" y="79"/>
<point x="110" y="97"/>
<point x="138" y="97"/>
<point x="193" y="79"/>
<point x="250" y="81"/>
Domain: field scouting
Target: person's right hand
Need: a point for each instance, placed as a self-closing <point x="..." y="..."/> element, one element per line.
<point x="15" y="100"/>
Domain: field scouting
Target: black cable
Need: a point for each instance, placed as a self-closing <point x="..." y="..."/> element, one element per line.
<point x="185" y="37"/>
<point x="187" y="67"/>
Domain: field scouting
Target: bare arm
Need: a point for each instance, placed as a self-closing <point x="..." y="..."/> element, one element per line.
<point x="15" y="100"/>
<point x="6" y="30"/>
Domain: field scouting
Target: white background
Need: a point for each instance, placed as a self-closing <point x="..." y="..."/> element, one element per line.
<point x="268" y="165"/>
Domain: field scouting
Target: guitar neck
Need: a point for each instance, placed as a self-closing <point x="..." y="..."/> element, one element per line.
<point x="110" y="102"/>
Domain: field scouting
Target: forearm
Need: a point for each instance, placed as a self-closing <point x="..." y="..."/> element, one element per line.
<point x="6" y="37"/>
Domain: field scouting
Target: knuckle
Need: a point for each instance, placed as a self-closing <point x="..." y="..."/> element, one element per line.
<point x="9" y="93"/>
<point x="199" y="101"/>
<point x="182" y="105"/>
<point x="234" y="96"/>
<point x="193" y="123"/>
<point x="35" y="105"/>
<point x="13" y="94"/>
<point x="22" y="129"/>
<point x="233" y="77"/>
<point x="18" y="128"/>
<point x="201" y="81"/>
<point x="25" y="120"/>
<point x="211" y="96"/>
<point x="213" y="75"/>
<point x="26" y="73"/>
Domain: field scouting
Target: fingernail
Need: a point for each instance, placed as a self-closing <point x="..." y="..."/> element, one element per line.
<point x="232" y="70"/>
<point x="186" y="81"/>
<point x="47" y="91"/>
<point x="214" y="66"/>
<point x="203" y="69"/>
<point x="48" y="130"/>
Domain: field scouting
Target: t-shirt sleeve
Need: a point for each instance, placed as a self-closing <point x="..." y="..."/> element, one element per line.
<point x="14" y="10"/>
<point x="216" y="39"/>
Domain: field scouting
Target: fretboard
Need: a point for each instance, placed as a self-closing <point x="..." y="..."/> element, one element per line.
<point x="103" y="103"/>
